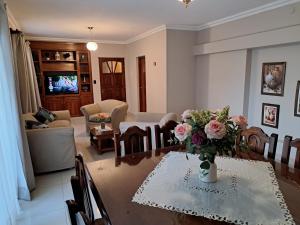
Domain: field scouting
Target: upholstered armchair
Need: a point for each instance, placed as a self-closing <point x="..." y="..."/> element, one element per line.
<point x="116" y="109"/>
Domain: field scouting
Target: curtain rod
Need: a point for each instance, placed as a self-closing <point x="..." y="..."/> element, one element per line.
<point x="12" y="31"/>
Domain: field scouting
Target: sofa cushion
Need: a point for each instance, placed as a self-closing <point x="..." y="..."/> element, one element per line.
<point x="44" y="115"/>
<point x="166" y="118"/>
<point x="32" y="124"/>
<point x="59" y="123"/>
<point x="100" y="117"/>
<point x="29" y="116"/>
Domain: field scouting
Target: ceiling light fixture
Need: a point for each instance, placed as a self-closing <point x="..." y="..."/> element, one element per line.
<point x="91" y="45"/>
<point x="186" y="2"/>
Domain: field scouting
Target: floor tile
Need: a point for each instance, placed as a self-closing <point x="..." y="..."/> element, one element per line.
<point x="57" y="217"/>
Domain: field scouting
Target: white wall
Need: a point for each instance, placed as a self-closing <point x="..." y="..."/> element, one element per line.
<point x="288" y="123"/>
<point x="154" y="49"/>
<point x="267" y="21"/>
<point x="106" y="50"/>
<point x="181" y="66"/>
<point x="241" y="69"/>
<point x="221" y="81"/>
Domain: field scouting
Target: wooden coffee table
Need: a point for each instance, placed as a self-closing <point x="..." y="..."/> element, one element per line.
<point x="102" y="140"/>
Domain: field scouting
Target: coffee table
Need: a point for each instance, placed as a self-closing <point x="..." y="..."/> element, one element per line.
<point x="102" y="139"/>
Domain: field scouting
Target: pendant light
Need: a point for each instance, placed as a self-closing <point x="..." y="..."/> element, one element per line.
<point x="91" y="45"/>
<point x="186" y="2"/>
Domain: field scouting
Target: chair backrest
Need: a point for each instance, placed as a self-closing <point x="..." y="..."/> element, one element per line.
<point x="256" y="139"/>
<point x="286" y="150"/>
<point x="99" y="203"/>
<point x="77" y="217"/>
<point x="81" y="190"/>
<point x="166" y="133"/>
<point x="133" y="139"/>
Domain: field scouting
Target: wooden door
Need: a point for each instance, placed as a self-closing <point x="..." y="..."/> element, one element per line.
<point x="142" y="83"/>
<point x="112" y="78"/>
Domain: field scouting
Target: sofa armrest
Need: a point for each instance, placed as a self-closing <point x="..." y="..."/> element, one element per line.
<point x="62" y="115"/>
<point x="90" y="109"/>
<point x="118" y="115"/>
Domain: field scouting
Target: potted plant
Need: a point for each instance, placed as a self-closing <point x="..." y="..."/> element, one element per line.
<point x="209" y="133"/>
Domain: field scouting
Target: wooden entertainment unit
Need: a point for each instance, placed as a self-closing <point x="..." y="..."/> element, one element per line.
<point x="68" y="61"/>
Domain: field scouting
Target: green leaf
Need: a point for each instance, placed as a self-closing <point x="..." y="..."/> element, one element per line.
<point x="205" y="165"/>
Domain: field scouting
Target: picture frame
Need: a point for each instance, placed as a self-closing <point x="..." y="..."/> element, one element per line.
<point x="273" y="78"/>
<point x="270" y="115"/>
<point x="297" y="100"/>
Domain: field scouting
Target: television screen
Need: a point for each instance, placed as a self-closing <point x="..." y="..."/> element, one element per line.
<point x="61" y="84"/>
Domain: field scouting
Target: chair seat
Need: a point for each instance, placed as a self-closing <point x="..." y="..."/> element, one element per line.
<point x="99" y="222"/>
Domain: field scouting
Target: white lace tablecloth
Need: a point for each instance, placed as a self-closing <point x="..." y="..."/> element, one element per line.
<point x="246" y="192"/>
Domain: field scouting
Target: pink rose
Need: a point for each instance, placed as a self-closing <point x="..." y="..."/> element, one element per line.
<point x="241" y="121"/>
<point x="215" y="130"/>
<point x="182" y="131"/>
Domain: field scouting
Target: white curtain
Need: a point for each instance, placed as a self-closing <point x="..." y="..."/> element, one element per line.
<point x="12" y="179"/>
<point x="26" y="81"/>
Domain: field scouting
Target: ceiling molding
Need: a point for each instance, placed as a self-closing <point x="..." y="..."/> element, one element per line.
<point x="72" y="40"/>
<point x="146" y="34"/>
<point x="251" y="12"/>
<point x="13" y="23"/>
<point x="182" y="27"/>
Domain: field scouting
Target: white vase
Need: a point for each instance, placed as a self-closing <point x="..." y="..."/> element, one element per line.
<point x="210" y="175"/>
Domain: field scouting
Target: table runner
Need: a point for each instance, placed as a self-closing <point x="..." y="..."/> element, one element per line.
<point x="246" y="192"/>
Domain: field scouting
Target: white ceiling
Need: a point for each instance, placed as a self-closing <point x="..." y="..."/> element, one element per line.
<point x="119" y="20"/>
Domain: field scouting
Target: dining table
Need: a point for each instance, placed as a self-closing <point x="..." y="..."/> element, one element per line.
<point x="118" y="179"/>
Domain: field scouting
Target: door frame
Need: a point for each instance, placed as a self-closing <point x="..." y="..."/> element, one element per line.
<point x="138" y="84"/>
<point x="123" y="69"/>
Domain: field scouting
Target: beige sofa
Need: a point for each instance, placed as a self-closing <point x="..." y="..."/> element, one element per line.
<point x="116" y="109"/>
<point x="52" y="148"/>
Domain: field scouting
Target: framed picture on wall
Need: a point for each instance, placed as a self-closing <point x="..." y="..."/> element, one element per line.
<point x="297" y="100"/>
<point x="272" y="79"/>
<point x="270" y="115"/>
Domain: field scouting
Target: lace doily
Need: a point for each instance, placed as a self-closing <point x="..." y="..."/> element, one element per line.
<point x="246" y="192"/>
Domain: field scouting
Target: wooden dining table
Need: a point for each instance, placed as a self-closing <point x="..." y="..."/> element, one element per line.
<point x="117" y="180"/>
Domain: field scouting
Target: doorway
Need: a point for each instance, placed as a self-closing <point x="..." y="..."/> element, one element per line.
<point x="112" y="78"/>
<point x="142" y="83"/>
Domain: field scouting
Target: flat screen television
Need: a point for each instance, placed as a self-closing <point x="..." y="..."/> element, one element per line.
<point x="61" y="84"/>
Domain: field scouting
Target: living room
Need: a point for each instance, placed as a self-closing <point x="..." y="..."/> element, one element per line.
<point x="163" y="58"/>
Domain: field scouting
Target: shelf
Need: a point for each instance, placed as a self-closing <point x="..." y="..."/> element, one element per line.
<point x="36" y="61"/>
<point x="60" y="71"/>
<point x="58" y="61"/>
<point x="84" y="73"/>
<point x="84" y="62"/>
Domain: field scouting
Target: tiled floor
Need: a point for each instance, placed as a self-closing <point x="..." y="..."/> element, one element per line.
<point x="48" y="206"/>
<point x="48" y="200"/>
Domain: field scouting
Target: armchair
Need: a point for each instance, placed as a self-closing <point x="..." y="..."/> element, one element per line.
<point x="116" y="109"/>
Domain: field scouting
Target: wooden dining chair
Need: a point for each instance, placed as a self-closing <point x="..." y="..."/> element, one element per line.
<point x="288" y="143"/>
<point x="99" y="203"/>
<point x="80" y="218"/>
<point x="133" y="139"/>
<point x="80" y="188"/>
<point x="256" y="139"/>
<point x="164" y="134"/>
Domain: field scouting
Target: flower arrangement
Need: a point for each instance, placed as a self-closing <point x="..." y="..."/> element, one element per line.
<point x="102" y="117"/>
<point x="209" y="133"/>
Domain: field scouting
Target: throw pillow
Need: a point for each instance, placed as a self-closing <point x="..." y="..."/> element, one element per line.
<point x="100" y="117"/>
<point x="44" y="115"/>
<point x="31" y="124"/>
